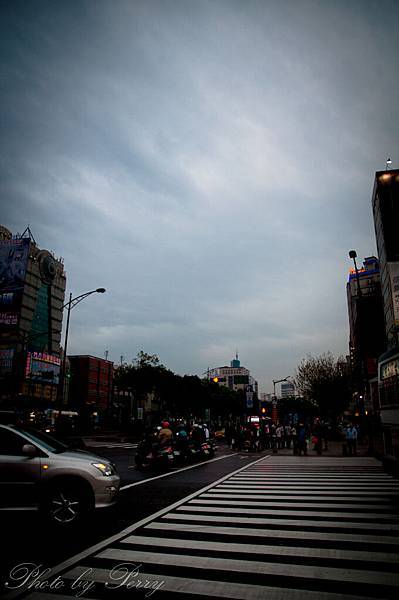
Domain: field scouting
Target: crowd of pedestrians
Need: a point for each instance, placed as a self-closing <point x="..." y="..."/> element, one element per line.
<point x="299" y="437"/>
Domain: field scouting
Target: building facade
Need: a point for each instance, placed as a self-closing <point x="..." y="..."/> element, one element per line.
<point x="287" y="389"/>
<point x="366" y="332"/>
<point x="385" y="203"/>
<point x="32" y="293"/>
<point x="90" y="388"/>
<point x="234" y="377"/>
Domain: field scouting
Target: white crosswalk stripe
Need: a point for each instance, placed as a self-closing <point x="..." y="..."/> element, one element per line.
<point x="281" y="528"/>
<point x="100" y="444"/>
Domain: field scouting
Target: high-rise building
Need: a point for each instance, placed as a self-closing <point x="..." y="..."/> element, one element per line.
<point x="235" y="377"/>
<point x="385" y="202"/>
<point x="386" y="221"/>
<point x="366" y="330"/>
<point x="287" y="389"/>
<point x="32" y="291"/>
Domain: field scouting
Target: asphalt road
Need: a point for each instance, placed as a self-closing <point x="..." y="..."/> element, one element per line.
<point x="25" y="538"/>
<point x="245" y="527"/>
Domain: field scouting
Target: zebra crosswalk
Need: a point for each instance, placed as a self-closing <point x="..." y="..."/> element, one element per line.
<point x="282" y="528"/>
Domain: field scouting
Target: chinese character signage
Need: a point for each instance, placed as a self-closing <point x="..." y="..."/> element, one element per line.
<point x="43" y="367"/>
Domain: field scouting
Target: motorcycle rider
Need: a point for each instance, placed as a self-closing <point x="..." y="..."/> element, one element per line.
<point x="165" y="435"/>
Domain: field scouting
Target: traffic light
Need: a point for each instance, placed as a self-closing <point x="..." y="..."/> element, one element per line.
<point x="215" y="379"/>
<point x="263" y="411"/>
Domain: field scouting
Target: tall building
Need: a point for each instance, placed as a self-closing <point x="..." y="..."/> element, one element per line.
<point x="366" y="330"/>
<point x="234" y="377"/>
<point x="385" y="203"/>
<point x="287" y="389"/>
<point x="386" y="221"/>
<point x="90" y="387"/>
<point x="32" y="292"/>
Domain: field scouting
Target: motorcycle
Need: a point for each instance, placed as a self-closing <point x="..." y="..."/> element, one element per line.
<point x="181" y="451"/>
<point x="152" y="456"/>
<point x="207" y="449"/>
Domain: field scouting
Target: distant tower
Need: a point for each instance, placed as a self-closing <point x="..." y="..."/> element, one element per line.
<point x="235" y="363"/>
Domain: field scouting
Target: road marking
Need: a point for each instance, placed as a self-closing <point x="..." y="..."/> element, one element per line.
<point x="248" y="550"/>
<point x="130" y="485"/>
<point x="285" y="536"/>
<point x="265" y="550"/>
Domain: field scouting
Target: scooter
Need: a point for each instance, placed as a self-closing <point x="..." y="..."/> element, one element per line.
<point x="153" y="457"/>
<point x="207" y="449"/>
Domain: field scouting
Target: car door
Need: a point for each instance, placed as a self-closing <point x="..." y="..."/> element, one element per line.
<point x="19" y="474"/>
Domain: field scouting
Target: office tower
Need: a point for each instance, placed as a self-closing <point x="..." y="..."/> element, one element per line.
<point x="32" y="291"/>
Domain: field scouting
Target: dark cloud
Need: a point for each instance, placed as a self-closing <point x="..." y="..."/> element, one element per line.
<point x="209" y="163"/>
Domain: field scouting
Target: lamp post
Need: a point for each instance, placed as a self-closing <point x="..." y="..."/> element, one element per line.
<point x="353" y="255"/>
<point x="363" y="367"/>
<point x="275" y="381"/>
<point x="72" y="302"/>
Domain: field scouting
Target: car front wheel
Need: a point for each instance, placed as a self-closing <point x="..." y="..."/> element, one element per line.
<point x="66" y="504"/>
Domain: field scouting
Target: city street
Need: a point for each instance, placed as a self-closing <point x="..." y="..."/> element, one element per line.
<point x="244" y="526"/>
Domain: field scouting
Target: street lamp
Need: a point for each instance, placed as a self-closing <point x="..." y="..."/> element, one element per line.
<point x="275" y="381"/>
<point x="72" y="302"/>
<point x="353" y="255"/>
<point x="363" y="366"/>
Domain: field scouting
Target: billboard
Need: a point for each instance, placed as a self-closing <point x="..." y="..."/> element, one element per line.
<point x="394" y="277"/>
<point x="43" y="367"/>
<point x="14" y="255"/>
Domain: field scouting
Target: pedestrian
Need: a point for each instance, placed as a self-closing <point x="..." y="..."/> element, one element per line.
<point x="317" y="437"/>
<point x="279" y="436"/>
<point x="288" y="438"/>
<point x="302" y="443"/>
<point x="351" y="440"/>
<point x="294" y="438"/>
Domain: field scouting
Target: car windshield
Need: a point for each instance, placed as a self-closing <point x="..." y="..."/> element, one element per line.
<point x="45" y="440"/>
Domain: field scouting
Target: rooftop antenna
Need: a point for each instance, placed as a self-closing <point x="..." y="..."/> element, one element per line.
<point x="29" y="235"/>
<point x="388" y="164"/>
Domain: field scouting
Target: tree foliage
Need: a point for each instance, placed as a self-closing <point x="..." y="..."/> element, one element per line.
<point x="176" y="395"/>
<point x="324" y="381"/>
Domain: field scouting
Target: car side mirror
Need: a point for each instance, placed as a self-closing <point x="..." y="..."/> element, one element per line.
<point x="30" y="450"/>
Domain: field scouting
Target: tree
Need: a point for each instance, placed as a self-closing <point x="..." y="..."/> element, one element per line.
<point x="324" y="381"/>
<point x="146" y="360"/>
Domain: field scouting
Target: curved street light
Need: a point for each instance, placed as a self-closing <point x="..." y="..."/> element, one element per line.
<point x="274" y="401"/>
<point x="72" y="302"/>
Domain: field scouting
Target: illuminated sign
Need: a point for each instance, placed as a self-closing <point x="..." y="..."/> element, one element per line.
<point x="13" y="261"/>
<point x="389" y="369"/>
<point x="43" y="367"/>
<point x="7" y="318"/>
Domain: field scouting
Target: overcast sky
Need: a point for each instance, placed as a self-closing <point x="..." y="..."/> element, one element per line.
<point x="209" y="162"/>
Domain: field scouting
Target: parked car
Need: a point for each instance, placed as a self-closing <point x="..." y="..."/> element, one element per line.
<point x="39" y="472"/>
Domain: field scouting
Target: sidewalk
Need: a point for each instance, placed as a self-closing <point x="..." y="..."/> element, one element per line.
<point x="335" y="448"/>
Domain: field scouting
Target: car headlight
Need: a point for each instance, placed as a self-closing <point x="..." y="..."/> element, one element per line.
<point x="106" y="470"/>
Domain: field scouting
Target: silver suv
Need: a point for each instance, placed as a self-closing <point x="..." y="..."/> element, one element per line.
<point x="39" y="472"/>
